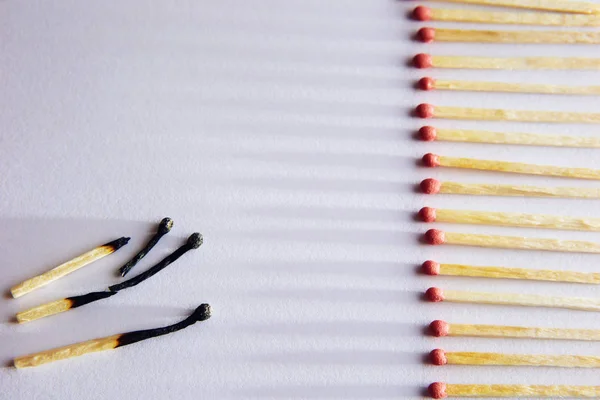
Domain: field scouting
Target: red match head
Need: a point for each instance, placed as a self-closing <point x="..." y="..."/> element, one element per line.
<point x="435" y="237"/>
<point x="437" y="390"/>
<point x="422" y="61"/>
<point x="431" y="160"/>
<point x="425" y="110"/>
<point x="438" y="357"/>
<point x="427" y="214"/>
<point x="430" y="267"/>
<point x="426" y="83"/>
<point x="426" y="35"/>
<point x="430" y="186"/>
<point x="439" y="328"/>
<point x="434" y="294"/>
<point x="427" y="133"/>
<point x="422" y="13"/>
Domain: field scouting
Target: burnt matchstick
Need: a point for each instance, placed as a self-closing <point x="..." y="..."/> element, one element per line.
<point x="564" y="6"/>
<point x="429" y="35"/>
<point x="202" y="313"/>
<point x="66" y="268"/>
<point x="440" y="328"/>
<point x="423" y="60"/>
<point x="440" y="390"/>
<point x="194" y="241"/>
<point x="163" y="228"/>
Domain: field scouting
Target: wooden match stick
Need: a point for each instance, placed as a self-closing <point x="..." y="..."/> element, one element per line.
<point x="202" y="313"/>
<point x="428" y="214"/>
<point x="45" y="310"/>
<point x="565" y="6"/>
<point x="423" y="60"/>
<point x="434" y="160"/>
<point x="428" y="83"/>
<point x="163" y="228"/>
<point x="433" y="186"/>
<point x="430" y="134"/>
<point x="441" y="357"/>
<point x="70" y="266"/>
<point x="491" y="114"/>
<point x="440" y="328"/>
<point x="422" y="13"/>
<point x="433" y="268"/>
<point x="440" y="390"/>
<point x="428" y="35"/>
<point x="437" y="237"/>
<point x="437" y="295"/>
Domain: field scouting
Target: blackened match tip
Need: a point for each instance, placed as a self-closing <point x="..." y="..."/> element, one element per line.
<point x="165" y="225"/>
<point x="202" y="313"/>
<point x="117" y="244"/>
<point x="195" y="240"/>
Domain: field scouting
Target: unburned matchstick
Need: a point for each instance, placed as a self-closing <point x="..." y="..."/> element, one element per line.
<point x="202" y="313"/>
<point x="66" y="268"/>
<point x="430" y="134"/>
<point x="492" y="114"/>
<point x="422" y="13"/>
<point x="440" y="390"/>
<point x="428" y="83"/>
<point x="163" y="228"/>
<point x="565" y="6"/>
<point x="441" y="357"/>
<point x="433" y="268"/>
<point x="440" y="328"/>
<point x="193" y="242"/>
<point x="428" y="35"/>
<point x="437" y="295"/>
<point x="433" y="186"/>
<point x="434" y="160"/>
<point x="423" y="60"/>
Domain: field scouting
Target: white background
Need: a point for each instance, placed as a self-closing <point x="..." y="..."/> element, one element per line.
<point x="281" y="130"/>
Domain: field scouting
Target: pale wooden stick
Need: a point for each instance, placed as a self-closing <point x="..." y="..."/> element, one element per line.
<point x="436" y="237"/>
<point x="513" y="299"/>
<point x="440" y="390"/>
<point x="480" y="86"/>
<point x="433" y="160"/>
<point x="433" y="268"/>
<point x="508" y="63"/>
<point x="44" y="310"/>
<point x="433" y="186"/>
<point x="70" y="266"/>
<point x="428" y="35"/>
<point x="566" y="6"/>
<point x="442" y="328"/>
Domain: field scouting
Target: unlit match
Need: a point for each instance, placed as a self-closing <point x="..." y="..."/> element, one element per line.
<point x="440" y="390"/>
<point x="433" y="268"/>
<point x="429" y="35"/>
<point x="438" y="237"/>
<point x="423" y="61"/>
<point x="433" y="160"/>
<point x="441" y="357"/>
<point x="437" y="295"/>
<point x="70" y="266"/>
<point x="496" y="114"/>
<point x="202" y="313"/>
<point x="565" y="6"/>
<point x="433" y="186"/>
<point x="429" y="215"/>
<point x="428" y="83"/>
<point x="422" y="13"/>
<point x="440" y="328"/>
<point x="430" y="134"/>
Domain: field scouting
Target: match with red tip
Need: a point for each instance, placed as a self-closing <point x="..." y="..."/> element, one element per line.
<point x="426" y="35"/>
<point x="430" y="267"/>
<point x="439" y="328"/>
<point x="426" y="83"/>
<point x="427" y="133"/>
<point x="427" y="214"/>
<point x="438" y="357"/>
<point x="437" y="390"/>
<point x="434" y="294"/>
<point x="431" y="160"/>
<point x="425" y="110"/>
<point x="422" y="13"/>
<point x="435" y="237"/>
<point x="430" y="186"/>
<point x="422" y="61"/>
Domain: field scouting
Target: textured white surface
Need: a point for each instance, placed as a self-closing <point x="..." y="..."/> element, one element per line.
<point x="281" y="130"/>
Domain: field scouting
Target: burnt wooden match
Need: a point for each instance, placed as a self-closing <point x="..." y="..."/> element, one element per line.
<point x="163" y="228"/>
<point x="202" y="313"/>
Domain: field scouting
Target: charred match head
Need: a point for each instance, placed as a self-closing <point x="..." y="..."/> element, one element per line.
<point x="117" y="244"/>
<point x="202" y="313"/>
<point x="195" y="240"/>
<point x="165" y="225"/>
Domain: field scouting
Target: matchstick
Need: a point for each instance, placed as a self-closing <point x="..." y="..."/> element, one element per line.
<point x="433" y="186"/>
<point x="437" y="237"/>
<point x="423" y="61"/>
<point x="565" y="6"/>
<point x="430" y="134"/>
<point x="440" y="328"/>
<point x="437" y="295"/>
<point x="433" y="268"/>
<point x="428" y="214"/>
<point x="428" y="83"/>
<point x="70" y="266"/>
<point x="45" y="310"/>
<point x="434" y="160"/>
<point x="490" y="114"/>
<point x="422" y="13"/>
<point x="441" y="357"/>
<point x="163" y="228"/>
<point x="202" y="313"/>
<point x="440" y="390"/>
<point x="429" y="35"/>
